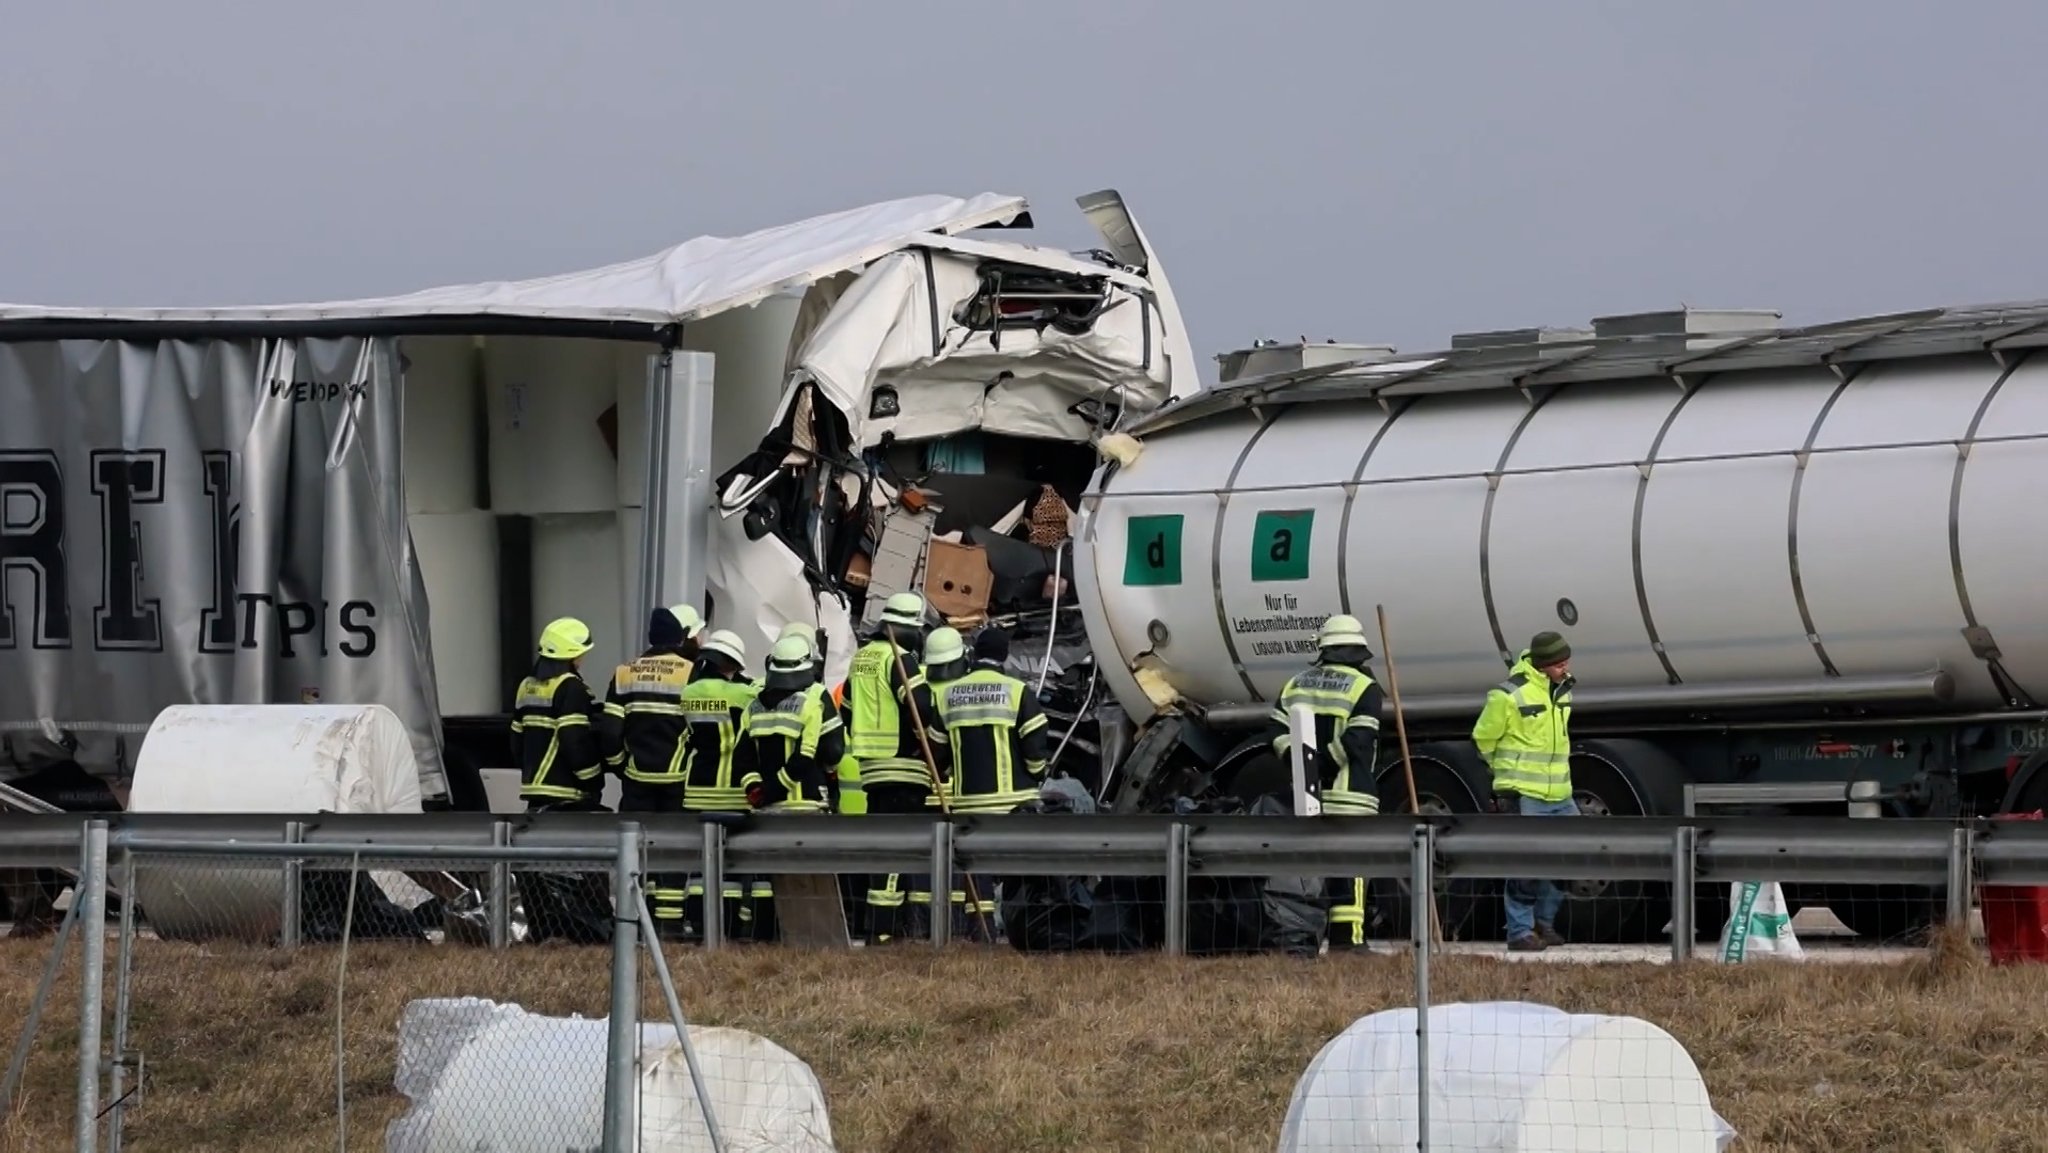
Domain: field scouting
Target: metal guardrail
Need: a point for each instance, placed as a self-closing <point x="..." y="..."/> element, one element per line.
<point x="1800" y="849"/>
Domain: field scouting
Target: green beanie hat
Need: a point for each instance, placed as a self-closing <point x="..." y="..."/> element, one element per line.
<point x="1548" y="649"/>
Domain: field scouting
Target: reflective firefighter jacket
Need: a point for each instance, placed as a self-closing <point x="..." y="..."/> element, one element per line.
<point x="645" y="702"/>
<point x="880" y="734"/>
<point x="791" y="741"/>
<point x="715" y="709"/>
<point x="995" y="740"/>
<point x="1525" y="734"/>
<point x="1346" y="705"/>
<point x="554" y="736"/>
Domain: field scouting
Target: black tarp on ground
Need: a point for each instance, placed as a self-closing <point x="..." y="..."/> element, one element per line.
<point x="1064" y="914"/>
<point x="1254" y="914"/>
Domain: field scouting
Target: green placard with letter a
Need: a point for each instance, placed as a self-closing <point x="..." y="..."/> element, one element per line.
<point x="1280" y="544"/>
<point x="1152" y="550"/>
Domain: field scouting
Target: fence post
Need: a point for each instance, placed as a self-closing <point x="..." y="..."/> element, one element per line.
<point x="1176" y="889"/>
<point x="1684" y="861"/>
<point x="714" y="886"/>
<point x="942" y="883"/>
<point x="124" y="963"/>
<point x="621" y="1080"/>
<point x="652" y="940"/>
<point x="499" y="913"/>
<point x="1961" y="852"/>
<point x="1422" y="880"/>
<point x="92" y="922"/>
<point x="289" y="929"/>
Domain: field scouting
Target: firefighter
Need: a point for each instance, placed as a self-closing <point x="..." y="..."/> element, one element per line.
<point x="1524" y="733"/>
<point x="884" y="681"/>
<point x="713" y="704"/>
<point x="847" y="796"/>
<point x="645" y="704"/>
<point x="1345" y="702"/>
<point x="554" y="732"/>
<point x="790" y="742"/>
<point x="561" y="756"/>
<point x="995" y="743"/>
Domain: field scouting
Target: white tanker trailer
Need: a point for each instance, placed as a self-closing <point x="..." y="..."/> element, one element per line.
<point x="1799" y="569"/>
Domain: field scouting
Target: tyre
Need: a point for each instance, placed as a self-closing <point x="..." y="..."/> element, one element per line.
<point x="1449" y="779"/>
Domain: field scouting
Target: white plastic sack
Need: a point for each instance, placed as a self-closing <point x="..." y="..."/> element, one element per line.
<point x="1505" y="1077"/>
<point x="1759" y="923"/>
<point x="490" y="1078"/>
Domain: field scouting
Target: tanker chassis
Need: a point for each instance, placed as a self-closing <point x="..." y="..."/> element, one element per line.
<point x="1797" y="567"/>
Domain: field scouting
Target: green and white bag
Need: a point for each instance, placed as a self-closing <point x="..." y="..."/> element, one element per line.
<point x="1759" y="923"/>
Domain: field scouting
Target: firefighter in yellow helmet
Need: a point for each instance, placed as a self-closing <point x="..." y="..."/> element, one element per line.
<point x="554" y="725"/>
<point x="714" y="703"/>
<point x="879" y="734"/>
<point x="559" y="749"/>
<point x="790" y="742"/>
<point x="1345" y="702"/>
<point x="644" y="703"/>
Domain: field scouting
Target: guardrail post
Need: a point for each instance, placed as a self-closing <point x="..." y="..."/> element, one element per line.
<point x="621" y="1079"/>
<point x="1176" y="889"/>
<point x="1421" y="906"/>
<point x="714" y="886"/>
<point x="289" y="931"/>
<point x="942" y="883"/>
<point x="1960" y="859"/>
<point x="498" y="914"/>
<point x="92" y="923"/>
<point x="1684" y="870"/>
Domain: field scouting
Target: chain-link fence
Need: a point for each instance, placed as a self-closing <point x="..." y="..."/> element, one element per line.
<point x="313" y="954"/>
<point x="412" y="997"/>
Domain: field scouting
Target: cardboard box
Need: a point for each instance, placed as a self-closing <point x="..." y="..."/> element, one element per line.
<point x="957" y="579"/>
<point x="859" y="569"/>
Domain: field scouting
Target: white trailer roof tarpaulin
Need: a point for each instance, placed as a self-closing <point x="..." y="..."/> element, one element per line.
<point x="1505" y="1077"/>
<point x="697" y="278"/>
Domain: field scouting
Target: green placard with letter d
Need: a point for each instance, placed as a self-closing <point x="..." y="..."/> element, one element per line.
<point x="1280" y="544"/>
<point x="1152" y="550"/>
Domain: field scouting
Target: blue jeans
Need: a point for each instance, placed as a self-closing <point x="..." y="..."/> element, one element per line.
<point x="1533" y="903"/>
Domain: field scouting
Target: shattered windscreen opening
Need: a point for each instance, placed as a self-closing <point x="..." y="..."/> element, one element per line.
<point x="1018" y="296"/>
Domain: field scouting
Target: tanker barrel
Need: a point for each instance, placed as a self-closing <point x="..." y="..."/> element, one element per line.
<point x="1932" y="687"/>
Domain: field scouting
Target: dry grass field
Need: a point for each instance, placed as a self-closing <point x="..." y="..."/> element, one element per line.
<point x="975" y="1051"/>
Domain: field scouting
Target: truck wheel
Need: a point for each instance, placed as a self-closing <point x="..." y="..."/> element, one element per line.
<point x="1621" y="778"/>
<point x="1449" y="779"/>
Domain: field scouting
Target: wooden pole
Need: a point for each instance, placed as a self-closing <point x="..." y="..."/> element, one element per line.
<point x="1436" y="932"/>
<point x="931" y="767"/>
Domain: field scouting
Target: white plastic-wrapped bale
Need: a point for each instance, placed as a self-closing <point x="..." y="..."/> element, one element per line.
<point x="490" y="1078"/>
<point x="1505" y="1077"/>
<point x="258" y="759"/>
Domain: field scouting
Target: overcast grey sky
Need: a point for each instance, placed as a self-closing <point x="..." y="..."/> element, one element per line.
<point x="1338" y="169"/>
